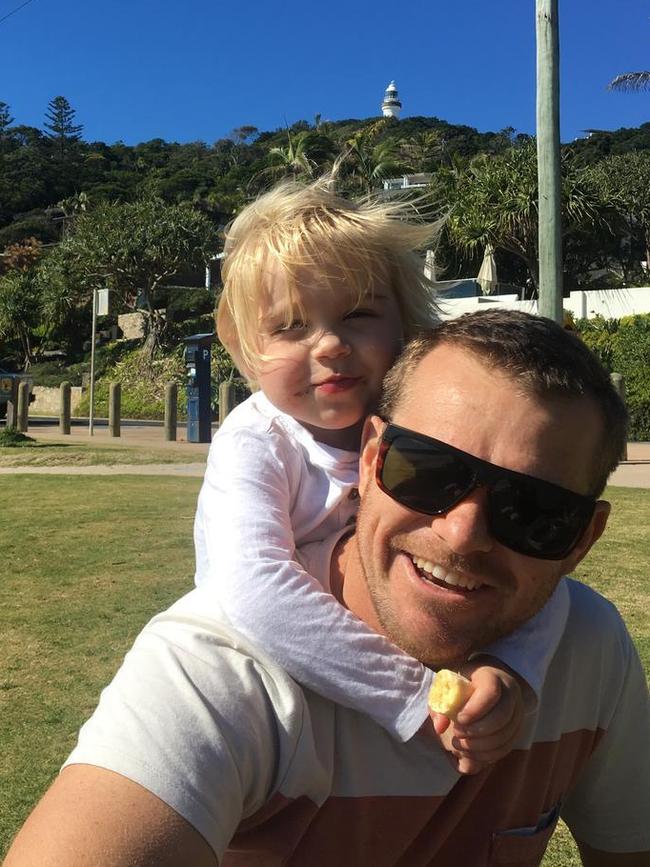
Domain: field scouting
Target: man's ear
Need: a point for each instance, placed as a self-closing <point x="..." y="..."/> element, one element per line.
<point x="372" y="430"/>
<point x="590" y="536"/>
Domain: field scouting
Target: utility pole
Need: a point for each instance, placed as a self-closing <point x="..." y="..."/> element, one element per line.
<point x="548" y="161"/>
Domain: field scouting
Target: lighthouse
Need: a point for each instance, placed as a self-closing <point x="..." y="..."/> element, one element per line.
<point x="391" y="105"/>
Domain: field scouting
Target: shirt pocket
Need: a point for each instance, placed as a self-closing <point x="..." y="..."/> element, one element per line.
<point x="523" y="847"/>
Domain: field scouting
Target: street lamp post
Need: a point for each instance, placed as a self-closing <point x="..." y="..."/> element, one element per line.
<point x="93" y="340"/>
<point x="548" y="161"/>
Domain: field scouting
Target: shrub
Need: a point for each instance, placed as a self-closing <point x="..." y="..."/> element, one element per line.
<point x="143" y="383"/>
<point x="11" y="438"/>
<point x="143" y="386"/>
<point x="623" y="346"/>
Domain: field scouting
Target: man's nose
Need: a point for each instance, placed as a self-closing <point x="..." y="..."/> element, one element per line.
<point x="464" y="528"/>
<point x="330" y="343"/>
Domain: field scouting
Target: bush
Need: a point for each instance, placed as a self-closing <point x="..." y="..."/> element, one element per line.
<point x="143" y="386"/>
<point x="143" y="383"/>
<point x="53" y="373"/>
<point x="623" y="346"/>
<point x="10" y="438"/>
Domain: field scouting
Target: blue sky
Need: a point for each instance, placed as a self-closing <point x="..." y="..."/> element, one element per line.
<point x="195" y="69"/>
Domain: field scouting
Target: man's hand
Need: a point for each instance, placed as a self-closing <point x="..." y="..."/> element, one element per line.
<point x="487" y="726"/>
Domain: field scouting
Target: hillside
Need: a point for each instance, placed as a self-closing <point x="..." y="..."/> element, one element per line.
<point x="43" y="171"/>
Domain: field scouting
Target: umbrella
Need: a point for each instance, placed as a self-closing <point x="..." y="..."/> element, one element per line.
<point x="487" y="275"/>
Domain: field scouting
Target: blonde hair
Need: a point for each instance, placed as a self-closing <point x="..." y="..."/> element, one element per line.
<point x="294" y="227"/>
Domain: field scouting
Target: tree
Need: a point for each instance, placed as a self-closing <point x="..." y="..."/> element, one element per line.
<point x="292" y="159"/>
<point x="370" y="161"/>
<point x="495" y="201"/>
<point x="22" y="256"/>
<point x="424" y="150"/>
<point x="244" y="134"/>
<point x="624" y="180"/>
<point x="630" y="81"/>
<point x="132" y="249"/>
<point x="5" y="120"/>
<point x="59" y="120"/>
<point x="305" y="154"/>
<point x="20" y="311"/>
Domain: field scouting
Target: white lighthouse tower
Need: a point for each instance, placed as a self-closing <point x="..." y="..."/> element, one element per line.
<point x="391" y="105"/>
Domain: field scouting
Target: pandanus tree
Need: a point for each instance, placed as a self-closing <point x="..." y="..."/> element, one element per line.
<point x="494" y="200"/>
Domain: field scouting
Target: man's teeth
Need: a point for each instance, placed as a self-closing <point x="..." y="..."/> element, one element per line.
<point x="451" y="578"/>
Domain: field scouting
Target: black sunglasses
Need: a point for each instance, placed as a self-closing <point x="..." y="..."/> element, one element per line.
<point x="525" y="514"/>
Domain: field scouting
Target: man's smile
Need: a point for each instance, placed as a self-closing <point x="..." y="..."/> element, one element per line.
<point x="434" y="573"/>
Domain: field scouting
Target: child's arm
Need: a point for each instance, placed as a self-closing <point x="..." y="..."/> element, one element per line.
<point x="529" y="649"/>
<point x="246" y="552"/>
<point x="487" y="724"/>
<point x="506" y="679"/>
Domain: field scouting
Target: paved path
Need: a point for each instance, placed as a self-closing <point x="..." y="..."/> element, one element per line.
<point x="111" y="470"/>
<point x="633" y="473"/>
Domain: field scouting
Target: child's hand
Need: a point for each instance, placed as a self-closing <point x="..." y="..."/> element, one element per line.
<point x="486" y="727"/>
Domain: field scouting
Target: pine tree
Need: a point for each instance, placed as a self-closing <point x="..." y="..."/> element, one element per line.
<point x="59" y="121"/>
<point x="5" y="119"/>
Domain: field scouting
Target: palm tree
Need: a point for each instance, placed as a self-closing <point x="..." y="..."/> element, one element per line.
<point x="424" y="150"/>
<point x="630" y="81"/>
<point x="370" y="163"/>
<point x="293" y="158"/>
<point x="494" y="200"/>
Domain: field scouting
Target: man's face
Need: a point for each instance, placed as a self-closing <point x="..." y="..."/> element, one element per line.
<point x="442" y="586"/>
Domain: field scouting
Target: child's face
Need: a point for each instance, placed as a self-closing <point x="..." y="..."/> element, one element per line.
<point x="327" y="370"/>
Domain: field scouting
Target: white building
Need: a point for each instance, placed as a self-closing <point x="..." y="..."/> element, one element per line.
<point x="408" y="182"/>
<point x="391" y="105"/>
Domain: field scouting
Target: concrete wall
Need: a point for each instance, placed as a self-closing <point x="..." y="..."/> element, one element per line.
<point x="48" y="400"/>
<point x="610" y="303"/>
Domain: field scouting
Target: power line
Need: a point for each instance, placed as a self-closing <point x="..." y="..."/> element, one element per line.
<point x="13" y="11"/>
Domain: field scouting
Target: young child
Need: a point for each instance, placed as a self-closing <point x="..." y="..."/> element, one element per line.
<point x="319" y="295"/>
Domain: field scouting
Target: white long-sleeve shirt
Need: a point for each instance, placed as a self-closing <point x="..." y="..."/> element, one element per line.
<point x="269" y="488"/>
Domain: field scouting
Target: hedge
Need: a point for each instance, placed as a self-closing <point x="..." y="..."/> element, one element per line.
<point x="623" y="346"/>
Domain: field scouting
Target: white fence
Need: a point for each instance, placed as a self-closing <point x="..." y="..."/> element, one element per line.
<point x="609" y="303"/>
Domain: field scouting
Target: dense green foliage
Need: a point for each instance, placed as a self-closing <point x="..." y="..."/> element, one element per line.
<point x="41" y="169"/>
<point x="144" y="380"/>
<point x="623" y="345"/>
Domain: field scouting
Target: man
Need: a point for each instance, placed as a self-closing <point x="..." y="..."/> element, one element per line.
<point x="479" y="486"/>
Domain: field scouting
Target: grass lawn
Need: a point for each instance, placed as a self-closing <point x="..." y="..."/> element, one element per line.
<point x="87" y="560"/>
<point x="76" y="454"/>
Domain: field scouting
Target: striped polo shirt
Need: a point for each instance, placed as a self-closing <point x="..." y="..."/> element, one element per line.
<point x="272" y="774"/>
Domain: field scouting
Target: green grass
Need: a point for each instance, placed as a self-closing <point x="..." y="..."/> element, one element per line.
<point x="87" y="560"/>
<point x="35" y="454"/>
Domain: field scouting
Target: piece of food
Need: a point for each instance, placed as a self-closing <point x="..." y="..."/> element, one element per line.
<point x="449" y="692"/>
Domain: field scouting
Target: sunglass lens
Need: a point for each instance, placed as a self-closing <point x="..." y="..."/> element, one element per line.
<point x="533" y="519"/>
<point x="424" y="478"/>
